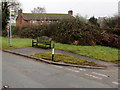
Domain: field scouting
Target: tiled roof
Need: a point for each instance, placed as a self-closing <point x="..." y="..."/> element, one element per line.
<point x="42" y="16"/>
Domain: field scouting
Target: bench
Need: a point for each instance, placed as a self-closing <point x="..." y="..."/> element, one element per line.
<point x="42" y="41"/>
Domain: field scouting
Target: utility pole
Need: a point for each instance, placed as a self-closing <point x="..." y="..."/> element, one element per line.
<point x="10" y="30"/>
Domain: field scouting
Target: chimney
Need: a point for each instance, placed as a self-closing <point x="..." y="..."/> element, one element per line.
<point x="70" y="12"/>
<point x="20" y="12"/>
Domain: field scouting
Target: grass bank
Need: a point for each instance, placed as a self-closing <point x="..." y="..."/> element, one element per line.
<point x="98" y="52"/>
<point x="66" y="59"/>
<point x="16" y="43"/>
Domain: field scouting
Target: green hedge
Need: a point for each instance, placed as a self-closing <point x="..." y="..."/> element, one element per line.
<point x="117" y="31"/>
<point x="70" y="31"/>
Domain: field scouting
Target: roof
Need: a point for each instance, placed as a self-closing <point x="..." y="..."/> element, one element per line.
<point x="42" y="16"/>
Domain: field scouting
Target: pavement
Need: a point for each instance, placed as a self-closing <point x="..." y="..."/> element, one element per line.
<point x="22" y="72"/>
<point x="32" y="50"/>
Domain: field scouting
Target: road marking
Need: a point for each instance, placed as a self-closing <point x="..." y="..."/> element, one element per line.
<point x="100" y="74"/>
<point x="115" y="83"/>
<point x="72" y="70"/>
<point x="57" y="66"/>
<point x="82" y="69"/>
<point x="93" y="76"/>
<point x="79" y="69"/>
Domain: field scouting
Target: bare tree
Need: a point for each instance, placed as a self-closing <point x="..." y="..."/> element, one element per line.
<point x="6" y="5"/>
<point x="38" y="10"/>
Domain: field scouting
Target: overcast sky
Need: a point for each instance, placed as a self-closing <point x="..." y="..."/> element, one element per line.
<point x="98" y="8"/>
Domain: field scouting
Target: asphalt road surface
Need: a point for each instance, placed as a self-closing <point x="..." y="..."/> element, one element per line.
<point x="21" y="72"/>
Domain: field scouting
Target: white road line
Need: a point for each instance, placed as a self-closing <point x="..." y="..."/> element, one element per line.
<point x="57" y="66"/>
<point x="72" y="70"/>
<point x="93" y="76"/>
<point x="69" y="69"/>
<point x="116" y="83"/>
<point x="82" y="69"/>
<point x="79" y="69"/>
<point x="100" y="74"/>
<point x="76" y="71"/>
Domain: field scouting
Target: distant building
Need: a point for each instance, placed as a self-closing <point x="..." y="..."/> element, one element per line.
<point x="24" y="19"/>
<point x="119" y="8"/>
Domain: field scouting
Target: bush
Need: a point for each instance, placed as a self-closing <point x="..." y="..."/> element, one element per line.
<point x="117" y="31"/>
<point x="111" y="40"/>
<point x="66" y="31"/>
<point x="28" y="31"/>
<point x="71" y="31"/>
<point x="4" y="33"/>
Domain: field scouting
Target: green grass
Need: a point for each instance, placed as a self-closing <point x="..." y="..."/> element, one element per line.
<point x="65" y="58"/>
<point x="98" y="52"/>
<point x="16" y="43"/>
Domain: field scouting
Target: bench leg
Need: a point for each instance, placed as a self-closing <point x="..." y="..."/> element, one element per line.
<point x="50" y="46"/>
<point x="32" y="44"/>
<point x="37" y="44"/>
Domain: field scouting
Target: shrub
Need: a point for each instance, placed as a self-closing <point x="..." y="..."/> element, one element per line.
<point x="4" y="33"/>
<point x="28" y="31"/>
<point x="72" y="31"/>
<point x="117" y="31"/>
<point x="93" y="21"/>
<point x="111" y="40"/>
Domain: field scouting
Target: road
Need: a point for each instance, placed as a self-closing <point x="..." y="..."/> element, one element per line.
<point x="21" y="72"/>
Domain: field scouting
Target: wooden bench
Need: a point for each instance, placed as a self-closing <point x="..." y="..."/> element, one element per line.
<point x="44" y="40"/>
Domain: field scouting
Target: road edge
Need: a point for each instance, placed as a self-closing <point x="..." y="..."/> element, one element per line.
<point x="52" y="62"/>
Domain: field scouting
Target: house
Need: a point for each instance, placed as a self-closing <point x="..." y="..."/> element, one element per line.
<point x="24" y="19"/>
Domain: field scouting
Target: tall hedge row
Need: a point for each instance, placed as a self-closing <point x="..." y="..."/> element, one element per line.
<point x="69" y="31"/>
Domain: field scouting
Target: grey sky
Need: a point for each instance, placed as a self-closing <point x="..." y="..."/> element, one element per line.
<point x="98" y="8"/>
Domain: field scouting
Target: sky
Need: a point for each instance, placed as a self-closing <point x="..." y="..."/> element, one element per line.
<point x="85" y="8"/>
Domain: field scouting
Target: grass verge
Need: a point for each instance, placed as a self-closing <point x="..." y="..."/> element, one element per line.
<point x="66" y="59"/>
<point x="98" y="52"/>
<point x="16" y="43"/>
